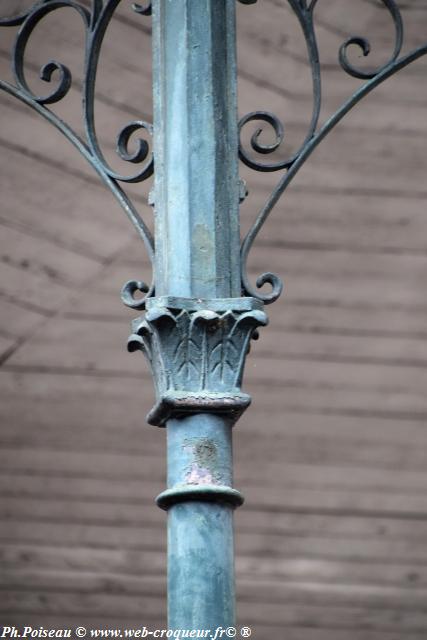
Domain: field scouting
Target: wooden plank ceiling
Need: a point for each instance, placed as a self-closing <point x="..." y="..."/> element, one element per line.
<point x="332" y="541"/>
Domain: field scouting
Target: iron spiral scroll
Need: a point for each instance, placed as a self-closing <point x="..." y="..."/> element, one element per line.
<point x="304" y="11"/>
<point x="96" y="16"/>
<point x="95" y="20"/>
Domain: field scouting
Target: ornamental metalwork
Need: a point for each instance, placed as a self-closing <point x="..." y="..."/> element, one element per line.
<point x="95" y="22"/>
<point x="201" y="308"/>
<point x="197" y="354"/>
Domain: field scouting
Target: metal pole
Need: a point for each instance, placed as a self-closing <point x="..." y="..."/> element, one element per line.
<point x="197" y="329"/>
<point x="197" y="258"/>
<point x="200" y="526"/>
<point x="196" y="149"/>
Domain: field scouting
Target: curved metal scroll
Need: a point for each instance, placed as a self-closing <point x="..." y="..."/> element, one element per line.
<point x="304" y="11"/>
<point x="95" y="22"/>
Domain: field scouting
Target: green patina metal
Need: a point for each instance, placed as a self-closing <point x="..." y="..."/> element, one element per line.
<point x="200" y="501"/>
<point x="197" y="331"/>
<point x="201" y="309"/>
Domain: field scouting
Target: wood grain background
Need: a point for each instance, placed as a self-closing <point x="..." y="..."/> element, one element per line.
<point x="332" y="456"/>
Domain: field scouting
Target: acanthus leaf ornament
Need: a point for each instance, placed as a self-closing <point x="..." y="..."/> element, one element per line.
<point x="197" y="351"/>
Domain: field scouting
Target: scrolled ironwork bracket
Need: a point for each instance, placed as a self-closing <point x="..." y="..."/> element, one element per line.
<point x="290" y="166"/>
<point x="95" y="20"/>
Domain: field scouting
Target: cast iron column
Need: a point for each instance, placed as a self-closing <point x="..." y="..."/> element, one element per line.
<point x="197" y="329"/>
<point x="197" y="251"/>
